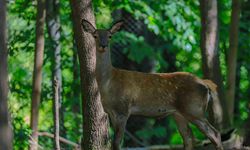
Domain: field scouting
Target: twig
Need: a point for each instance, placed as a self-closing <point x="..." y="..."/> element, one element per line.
<point x="32" y="141"/>
<point x="56" y="115"/>
<point x="134" y="138"/>
<point x="157" y="147"/>
<point x="234" y="143"/>
<point x="63" y="140"/>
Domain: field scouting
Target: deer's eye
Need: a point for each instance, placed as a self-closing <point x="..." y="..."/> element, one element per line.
<point x="95" y="36"/>
<point x="110" y="36"/>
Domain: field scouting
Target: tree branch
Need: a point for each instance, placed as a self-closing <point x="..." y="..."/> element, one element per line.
<point x="61" y="139"/>
<point x="234" y="143"/>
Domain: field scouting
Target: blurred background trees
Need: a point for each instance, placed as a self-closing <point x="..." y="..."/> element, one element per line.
<point x="5" y="128"/>
<point x="162" y="36"/>
<point x="37" y="73"/>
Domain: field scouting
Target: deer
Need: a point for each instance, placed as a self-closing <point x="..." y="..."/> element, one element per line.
<point x="157" y="95"/>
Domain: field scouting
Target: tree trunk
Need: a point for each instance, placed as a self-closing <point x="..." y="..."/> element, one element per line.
<point x="56" y="115"/>
<point x="5" y="130"/>
<point x="210" y="59"/>
<point x="95" y="123"/>
<point x="37" y="74"/>
<point x="53" y="25"/>
<point x="232" y="57"/>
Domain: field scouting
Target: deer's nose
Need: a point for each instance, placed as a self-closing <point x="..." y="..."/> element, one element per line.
<point x="103" y="46"/>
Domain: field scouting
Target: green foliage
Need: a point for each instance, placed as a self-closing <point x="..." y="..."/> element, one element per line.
<point x="22" y="15"/>
<point x="173" y="21"/>
<point x="149" y="131"/>
<point x="137" y="50"/>
<point x="176" y="26"/>
<point x="21" y="23"/>
<point x="176" y="138"/>
<point x="21" y="133"/>
<point x="177" y="23"/>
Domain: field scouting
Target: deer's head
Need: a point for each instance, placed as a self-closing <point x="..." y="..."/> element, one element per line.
<point x="102" y="36"/>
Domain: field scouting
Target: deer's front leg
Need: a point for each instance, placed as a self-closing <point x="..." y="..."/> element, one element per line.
<point x="185" y="131"/>
<point x="118" y="122"/>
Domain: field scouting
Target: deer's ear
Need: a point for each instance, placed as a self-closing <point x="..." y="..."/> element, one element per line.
<point x="87" y="26"/>
<point x="116" y="27"/>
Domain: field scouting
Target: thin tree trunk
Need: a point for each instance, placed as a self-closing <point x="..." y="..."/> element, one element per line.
<point x="5" y="130"/>
<point x="232" y="57"/>
<point x="56" y="115"/>
<point x="210" y="58"/>
<point x="53" y="25"/>
<point x="95" y="125"/>
<point x="37" y="74"/>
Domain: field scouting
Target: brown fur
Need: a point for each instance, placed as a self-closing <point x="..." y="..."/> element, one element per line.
<point x="167" y="91"/>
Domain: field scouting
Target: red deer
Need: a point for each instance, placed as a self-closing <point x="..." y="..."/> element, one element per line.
<point x="126" y="93"/>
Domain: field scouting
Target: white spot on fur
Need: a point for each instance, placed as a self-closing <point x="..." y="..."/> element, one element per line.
<point x="208" y="97"/>
<point x="106" y="84"/>
<point x="134" y="110"/>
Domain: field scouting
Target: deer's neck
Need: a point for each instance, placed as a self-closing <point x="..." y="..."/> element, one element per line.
<point x="103" y="67"/>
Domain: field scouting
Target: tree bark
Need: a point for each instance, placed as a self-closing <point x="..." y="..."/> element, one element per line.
<point x="37" y="73"/>
<point x="95" y="123"/>
<point x="5" y="130"/>
<point x="54" y="27"/>
<point x="232" y="57"/>
<point x="210" y="59"/>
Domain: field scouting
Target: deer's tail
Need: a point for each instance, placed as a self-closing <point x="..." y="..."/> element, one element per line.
<point x="212" y="90"/>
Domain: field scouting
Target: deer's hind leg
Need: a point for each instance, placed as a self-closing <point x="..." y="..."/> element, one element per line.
<point x="209" y="131"/>
<point x="197" y="117"/>
<point x="185" y="131"/>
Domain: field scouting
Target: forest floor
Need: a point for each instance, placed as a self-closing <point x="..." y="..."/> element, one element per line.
<point x="235" y="142"/>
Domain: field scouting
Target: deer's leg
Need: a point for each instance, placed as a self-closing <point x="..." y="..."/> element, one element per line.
<point x="185" y="131"/>
<point x="209" y="131"/>
<point x="119" y="123"/>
